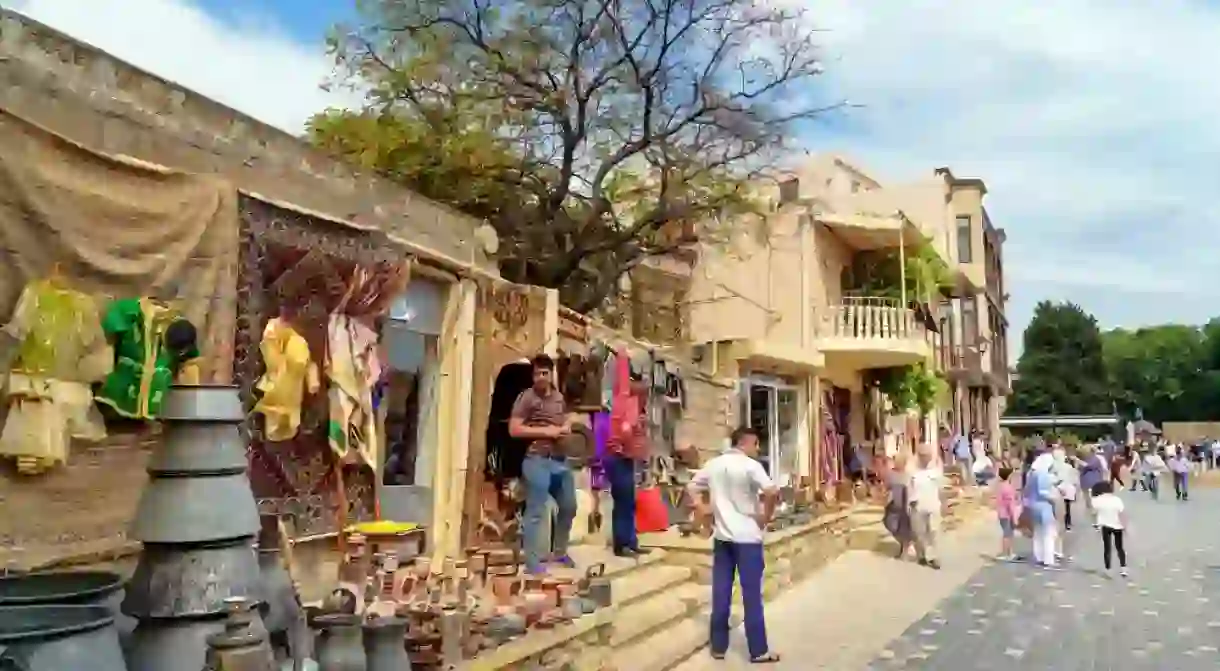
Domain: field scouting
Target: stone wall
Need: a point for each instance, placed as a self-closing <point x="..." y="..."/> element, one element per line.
<point x="710" y="415"/>
<point x="93" y="98"/>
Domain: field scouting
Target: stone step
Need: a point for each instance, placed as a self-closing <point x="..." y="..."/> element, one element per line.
<point x="665" y="649"/>
<point x="646" y="582"/>
<point x="658" y="612"/>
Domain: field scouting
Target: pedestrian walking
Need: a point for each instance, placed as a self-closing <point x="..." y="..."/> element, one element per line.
<point x="1008" y="510"/>
<point x="1139" y="478"/>
<point x="539" y="415"/>
<point x="962" y="454"/>
<point x="926" y="483"/>
<point x="1067" y="481"/>
<point x="1117" y="462"/>
<point x="897" y="518"/>
<point x="1179" y="467"/>
<point x="1039" y="497"/>
<point x="735" y="490"/>
<point x="1112" y="517"/>
<point x="1154" y="466"/>
<point x="1092" y="472"/>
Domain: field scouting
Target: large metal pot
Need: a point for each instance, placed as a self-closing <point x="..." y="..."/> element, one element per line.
<point x="171" y="645"/>
<point x="198" y="490"/>
<point x="191" y="580"/>
<point x="58" y="638"/>
<point x="80" y="588"/>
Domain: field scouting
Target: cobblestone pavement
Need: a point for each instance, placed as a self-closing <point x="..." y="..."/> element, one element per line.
<point x="978" y="614"/>
<point x="1012" y="616"/>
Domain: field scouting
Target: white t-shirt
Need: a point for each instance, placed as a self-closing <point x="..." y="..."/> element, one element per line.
<point x="733" y="482"/>
<point x="982" y="463"/>
<point x="1153" y="463"/>
<point x="1109" y="509"/>
<point x="925" y="488"/>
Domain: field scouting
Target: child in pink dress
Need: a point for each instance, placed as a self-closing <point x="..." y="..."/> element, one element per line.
<point x="1008" y="510"/>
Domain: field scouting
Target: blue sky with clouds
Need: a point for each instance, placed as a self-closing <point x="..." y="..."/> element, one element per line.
<point x="1094" y="123"/>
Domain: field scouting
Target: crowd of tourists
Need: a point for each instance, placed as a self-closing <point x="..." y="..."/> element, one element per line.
<point x="1037" y="493"/>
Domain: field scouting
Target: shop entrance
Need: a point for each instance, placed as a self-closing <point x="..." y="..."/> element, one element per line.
<point x="771" y="407"/>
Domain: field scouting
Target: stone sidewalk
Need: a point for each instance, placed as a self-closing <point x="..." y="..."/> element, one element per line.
<point x="843" y="616"/>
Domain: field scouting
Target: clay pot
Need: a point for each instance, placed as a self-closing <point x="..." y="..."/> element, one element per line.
<point x="534" y="603"/>
<point x="550" y="587"/>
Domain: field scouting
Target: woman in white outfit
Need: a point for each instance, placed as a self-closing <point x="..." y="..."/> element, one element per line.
<point x="1040" y="495"/>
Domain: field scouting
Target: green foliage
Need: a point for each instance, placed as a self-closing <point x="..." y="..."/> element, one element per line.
<point x="912" y="388"/>
<point x="1061" y="369"/>
<point x="592" y="134"/>
<point x="879" y="275"/>
<point x="1170" y="372"/>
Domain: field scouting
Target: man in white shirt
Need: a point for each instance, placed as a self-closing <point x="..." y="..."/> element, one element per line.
<point x="926" y="483"/>
<point x="735" y="490"/>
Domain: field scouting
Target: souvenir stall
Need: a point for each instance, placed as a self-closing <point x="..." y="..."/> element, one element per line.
<point x="115" y="277"/>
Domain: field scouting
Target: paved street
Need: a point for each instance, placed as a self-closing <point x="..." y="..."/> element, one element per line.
<point x="977" y="614"/>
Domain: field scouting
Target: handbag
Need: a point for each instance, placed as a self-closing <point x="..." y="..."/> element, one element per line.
<point x="651" y="513"/>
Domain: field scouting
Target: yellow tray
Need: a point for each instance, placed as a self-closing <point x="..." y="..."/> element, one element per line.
<point x="382" y="528"/>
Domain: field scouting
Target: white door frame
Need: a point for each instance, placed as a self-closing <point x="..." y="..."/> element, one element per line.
<point x="774" y="385"/>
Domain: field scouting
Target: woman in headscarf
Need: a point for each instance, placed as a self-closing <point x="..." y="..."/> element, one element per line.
<point x="897" y="518"/>
<point x="1040" y="495"/>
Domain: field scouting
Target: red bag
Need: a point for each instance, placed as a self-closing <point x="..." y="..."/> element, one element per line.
<point x="651" y="514"/>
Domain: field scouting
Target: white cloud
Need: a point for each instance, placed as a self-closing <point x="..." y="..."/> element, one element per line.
<point x="250" y="65"/>
<point x="1093" y="122"/>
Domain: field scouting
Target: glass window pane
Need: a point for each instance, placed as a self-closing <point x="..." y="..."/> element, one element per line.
<point x="421" y="306"/>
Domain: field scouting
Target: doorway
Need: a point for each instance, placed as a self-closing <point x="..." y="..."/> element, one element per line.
<point x="772" y="408"/>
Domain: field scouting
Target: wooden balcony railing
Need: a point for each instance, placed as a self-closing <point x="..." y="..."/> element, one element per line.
<point x="870" y="318"/>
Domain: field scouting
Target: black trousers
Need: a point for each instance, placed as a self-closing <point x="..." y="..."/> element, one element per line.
<point x="1112" y="540"/>
<point x="1067" y="514"/>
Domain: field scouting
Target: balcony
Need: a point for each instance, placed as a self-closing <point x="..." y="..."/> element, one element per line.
<point x="862" y="333"/>
<point x="963" y="364"/>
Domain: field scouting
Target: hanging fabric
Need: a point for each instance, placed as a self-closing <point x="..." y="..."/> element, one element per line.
<point x="151" y="342"/>
<point x="291" y="374"/>
<point x="57" y="351"/>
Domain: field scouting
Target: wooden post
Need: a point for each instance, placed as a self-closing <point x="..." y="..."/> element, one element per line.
<point x="483" y="374"/>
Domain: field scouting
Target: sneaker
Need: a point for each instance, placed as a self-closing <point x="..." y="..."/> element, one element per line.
<point x="1122" y="572"/>
<point x="934" y="565"/>
<point x="564" y="561"/>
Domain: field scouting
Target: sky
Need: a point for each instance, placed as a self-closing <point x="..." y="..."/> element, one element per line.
<point x="1093" y="123"/>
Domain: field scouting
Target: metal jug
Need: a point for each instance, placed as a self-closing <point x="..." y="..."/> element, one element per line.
<point x="598" y="586"/>
<point x="339" y="644"/>
<point x="57" y="638"/>
<point x="385" y="645"/>
<point x="241" y="646"/>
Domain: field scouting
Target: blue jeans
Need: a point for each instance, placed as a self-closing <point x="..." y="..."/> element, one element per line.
<point x="746" y="560"/>
<point x="621" y="474"/>
<point x="546" y="478"/>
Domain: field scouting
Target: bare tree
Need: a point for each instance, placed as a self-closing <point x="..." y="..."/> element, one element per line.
<point x="592" y="134"/>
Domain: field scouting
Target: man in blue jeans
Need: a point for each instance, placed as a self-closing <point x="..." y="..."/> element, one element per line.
<point x="626" y="447"/>
<point x="540" y="416"/>
<point x="740" y="497"/>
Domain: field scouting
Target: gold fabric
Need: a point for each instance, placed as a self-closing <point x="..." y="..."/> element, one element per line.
<point x="58" y="332"/>
<point x="44" y="414"/>
<point x="291" y="373"/>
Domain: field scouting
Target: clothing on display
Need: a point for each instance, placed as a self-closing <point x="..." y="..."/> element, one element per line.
<point x="151" y="343"/>
<point x="353" y="367"/>
<point x="291" y="374"/>
<point x="58" y="352"/>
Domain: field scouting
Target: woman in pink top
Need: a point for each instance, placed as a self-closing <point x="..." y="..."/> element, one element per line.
<point x="1008" y="510"/>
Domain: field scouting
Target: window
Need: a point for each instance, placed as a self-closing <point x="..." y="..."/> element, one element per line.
<point x="410" y="341"/>
<point x="789" y="191"/>
<point x="965" y="240"/>
<point x="855" y="186"/>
